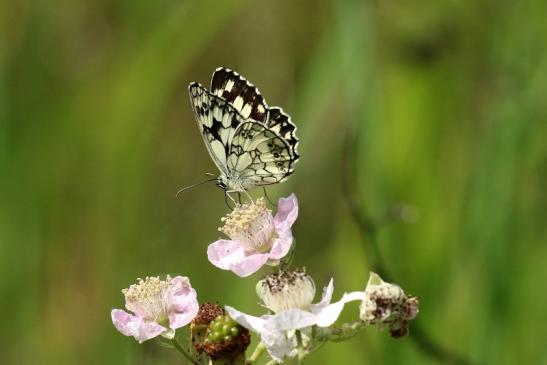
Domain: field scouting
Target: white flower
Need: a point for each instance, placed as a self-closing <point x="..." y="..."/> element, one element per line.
<point x="287" y="295"/>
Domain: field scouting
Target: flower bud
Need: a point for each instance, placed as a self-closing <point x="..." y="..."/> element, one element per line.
<point x="386" y="304"/>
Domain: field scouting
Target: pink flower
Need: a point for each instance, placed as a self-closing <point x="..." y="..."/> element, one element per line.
<point x="159" y="307"/>
<point x="257" y="237"/>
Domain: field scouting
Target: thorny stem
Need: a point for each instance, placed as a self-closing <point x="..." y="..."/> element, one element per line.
<point x="368" y="231"/>
<point x="257" y="353"/>
<point x="183" y="352"/>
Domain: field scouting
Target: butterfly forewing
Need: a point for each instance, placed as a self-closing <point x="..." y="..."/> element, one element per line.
<point x="260" y="155"/>
<point x="240" y="93"/>
<point x="217" y="121"/>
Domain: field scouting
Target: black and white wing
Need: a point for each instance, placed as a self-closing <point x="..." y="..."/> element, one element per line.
<point x="260" y="155"/>
<point x="240" y="93"/>
<point x="217" y="121"/>
<point x="281" y="123"/>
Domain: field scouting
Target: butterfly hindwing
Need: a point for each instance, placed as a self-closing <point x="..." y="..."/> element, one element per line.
<point x="217" y="121"/>
<point x="259" y="154"/>
<point x="240" y="93"/>
<point x="279" y="122"/>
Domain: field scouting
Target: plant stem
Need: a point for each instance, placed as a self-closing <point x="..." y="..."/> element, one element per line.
<point x="183" y="352"/>
<point x="271" y="362"/>
<point x="257" y="353"/>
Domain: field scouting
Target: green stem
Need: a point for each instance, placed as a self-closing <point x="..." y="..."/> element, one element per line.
<point x="271" y="362"/>
<point x="257" y="353"/>
<point x="183" y="352"/>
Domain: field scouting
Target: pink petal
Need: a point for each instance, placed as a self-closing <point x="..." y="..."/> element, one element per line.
<point x="229" y="255"/>
<point x="282" y="244"/>
<point x="224" y="253"/>
<point x="184" y="305"/>
<point x="177" y="320"/>
<point x="131" y="325"/>
<point x="249" y="264"/>
<point x="287" y="211"/>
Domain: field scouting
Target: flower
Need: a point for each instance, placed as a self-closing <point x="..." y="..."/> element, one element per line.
<point x="159" y="307"/>
<point x="387" y="304"/>
<point x="289" y="295"/>
<point x="256" y="237"/>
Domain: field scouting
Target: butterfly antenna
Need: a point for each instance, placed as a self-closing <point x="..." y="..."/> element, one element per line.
<point x="209" y="174"/>
<point x="267" y="197"/>
<point x="193" y="186"/>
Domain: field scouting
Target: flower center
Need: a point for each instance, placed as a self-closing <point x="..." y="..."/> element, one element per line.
<point x="149" y="298"/>
<point x="286" y="290"/>
<point x="251" y="225"/>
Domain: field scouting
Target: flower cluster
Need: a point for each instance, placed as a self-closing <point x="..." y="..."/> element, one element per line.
<point x="294" y="324"/>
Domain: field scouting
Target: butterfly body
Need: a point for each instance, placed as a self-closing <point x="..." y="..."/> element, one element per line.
<point x="250" y="143"/>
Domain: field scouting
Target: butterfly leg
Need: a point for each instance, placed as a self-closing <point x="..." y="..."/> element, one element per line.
<point x="226" y="196"/>
<point x="248" y="196"/>
<point x="239" y="197"/>
<point x="267" y="197"/>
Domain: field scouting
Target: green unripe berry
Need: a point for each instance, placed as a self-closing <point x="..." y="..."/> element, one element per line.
<point x="234" y="331"/>
<point x="228" y="338"/>
<point x="217" y="336"/>
<point x="226" y="329"/>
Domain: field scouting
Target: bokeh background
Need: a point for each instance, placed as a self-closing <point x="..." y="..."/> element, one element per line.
<point x="447" y="103"/>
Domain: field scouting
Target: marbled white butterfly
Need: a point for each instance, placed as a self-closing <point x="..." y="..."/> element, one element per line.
<point x="251" y="143"/>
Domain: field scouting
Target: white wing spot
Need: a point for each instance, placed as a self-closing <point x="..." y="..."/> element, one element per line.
<point x="246" y="111"/>
<point x="229" y="85"/>
<point x="238" y="103"/>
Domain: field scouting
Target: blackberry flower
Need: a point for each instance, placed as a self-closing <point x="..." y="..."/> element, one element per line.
<point x="158" y="307"/>
<point x="256" y="236"/>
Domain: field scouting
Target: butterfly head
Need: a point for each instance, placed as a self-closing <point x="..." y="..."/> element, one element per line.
<point x="221" y="184"/>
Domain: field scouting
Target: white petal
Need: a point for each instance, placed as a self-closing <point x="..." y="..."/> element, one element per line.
<point x="327" y="293"/>
<point x="279" y="344"/>
<point x="291" y="319"/>
<point x="255" y="324"/>
<point x="327" y="315"/>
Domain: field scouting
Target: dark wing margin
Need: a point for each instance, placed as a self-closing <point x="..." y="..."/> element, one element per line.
<point x="217" y="121"/>
<point x="281" y="123"/>
<point x="240" y="93"/>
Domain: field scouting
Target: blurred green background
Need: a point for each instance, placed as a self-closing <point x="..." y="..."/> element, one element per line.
<point x="96" y="136"/>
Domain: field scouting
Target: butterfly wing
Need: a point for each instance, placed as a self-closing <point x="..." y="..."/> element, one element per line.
<point x="259" y="155"/>
<point x="217" y="121"/>
<point x="240" y="93"/>
<point x="281" y="123"/>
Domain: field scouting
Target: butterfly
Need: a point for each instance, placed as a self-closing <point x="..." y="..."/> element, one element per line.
<point x="251" y="143"/>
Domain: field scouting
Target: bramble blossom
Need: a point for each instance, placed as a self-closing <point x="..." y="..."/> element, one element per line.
<point x="159" y="307"/>
<point x="256" y="236"/>
<point x="289" y="296"/>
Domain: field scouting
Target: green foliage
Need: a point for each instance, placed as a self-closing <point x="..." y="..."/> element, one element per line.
<point x="96" y="137"/>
